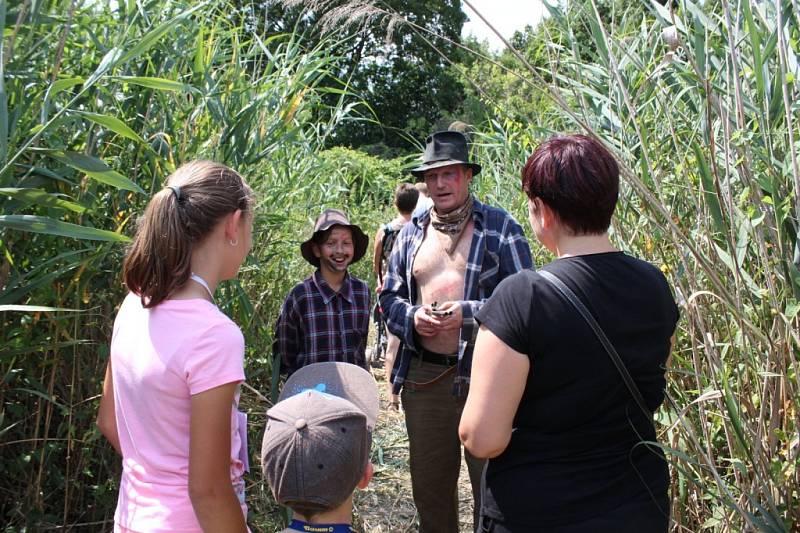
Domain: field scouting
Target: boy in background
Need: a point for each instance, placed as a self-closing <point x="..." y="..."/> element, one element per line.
<point x="405" y="201"/>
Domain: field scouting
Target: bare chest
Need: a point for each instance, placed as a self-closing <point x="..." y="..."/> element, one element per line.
<point x="439" y="275"/>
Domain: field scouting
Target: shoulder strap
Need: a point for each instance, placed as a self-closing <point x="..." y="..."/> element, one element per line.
<point x="387" y="241"/>
<point x="612" y="352"/>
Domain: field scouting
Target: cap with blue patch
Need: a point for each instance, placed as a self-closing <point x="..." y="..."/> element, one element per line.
<point x="317" y="441"/>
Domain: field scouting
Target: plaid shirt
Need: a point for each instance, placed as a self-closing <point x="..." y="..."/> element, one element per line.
<point x="318" y="324"/>
<point x="498" y="249"/>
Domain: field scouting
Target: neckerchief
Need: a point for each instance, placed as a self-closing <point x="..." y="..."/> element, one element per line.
<point x="299" y="525"/>
<point x="450" y="226"/>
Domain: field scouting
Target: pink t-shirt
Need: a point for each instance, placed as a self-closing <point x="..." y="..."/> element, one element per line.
<point x="160" y="357"/>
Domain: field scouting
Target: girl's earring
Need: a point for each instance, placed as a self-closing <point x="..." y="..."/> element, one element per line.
<point x="233" y="242"/>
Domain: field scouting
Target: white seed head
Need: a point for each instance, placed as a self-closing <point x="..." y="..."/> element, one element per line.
<point x="670" y="36"/>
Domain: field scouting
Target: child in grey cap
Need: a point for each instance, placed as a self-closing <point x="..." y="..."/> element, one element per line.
<point x="316" y="446"/>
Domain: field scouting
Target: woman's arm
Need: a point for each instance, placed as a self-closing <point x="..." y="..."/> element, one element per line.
<point x="106" y="415"/>
<point x="210" y="488"/>
<point x="498" y="380"/>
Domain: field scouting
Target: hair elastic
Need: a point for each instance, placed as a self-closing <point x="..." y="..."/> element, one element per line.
<point x="176" y="191"/>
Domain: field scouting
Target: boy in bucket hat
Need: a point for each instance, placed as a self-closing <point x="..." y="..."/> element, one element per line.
<point x="316" y="445"/>
<point x="326" y="316"/>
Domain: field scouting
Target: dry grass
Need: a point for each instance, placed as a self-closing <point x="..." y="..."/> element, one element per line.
<point x="386" y="505"/>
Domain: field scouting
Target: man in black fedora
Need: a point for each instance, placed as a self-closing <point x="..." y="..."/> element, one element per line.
<point x="445" y="264"/>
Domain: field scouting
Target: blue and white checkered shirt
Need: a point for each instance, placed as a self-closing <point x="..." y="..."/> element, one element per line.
<point x="498" y="249"/>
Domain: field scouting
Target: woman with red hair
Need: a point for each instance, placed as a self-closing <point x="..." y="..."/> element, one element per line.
<point x="567" y="425"/>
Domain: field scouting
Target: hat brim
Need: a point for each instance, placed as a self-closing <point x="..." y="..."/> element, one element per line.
<point x="344" y="380"/>
<point x="419" y="172"/>
<point x="360" y="243"/>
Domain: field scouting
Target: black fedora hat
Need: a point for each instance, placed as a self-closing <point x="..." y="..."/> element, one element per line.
<point x="330" y="218"/>
<point x="445" y="148"/>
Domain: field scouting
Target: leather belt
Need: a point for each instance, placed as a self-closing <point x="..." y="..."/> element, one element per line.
<point x="436" y="358"/>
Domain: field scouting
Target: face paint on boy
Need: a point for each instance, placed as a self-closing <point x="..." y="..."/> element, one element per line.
<point x="336" y="253"/>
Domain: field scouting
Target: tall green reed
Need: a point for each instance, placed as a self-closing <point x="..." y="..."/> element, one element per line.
<point x="699" y="104"/>
<point x="98" y="104"/>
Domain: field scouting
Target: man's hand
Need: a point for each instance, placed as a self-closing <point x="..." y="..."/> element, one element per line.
<point x="425" y="323"/>
<point x="449" y="315"/>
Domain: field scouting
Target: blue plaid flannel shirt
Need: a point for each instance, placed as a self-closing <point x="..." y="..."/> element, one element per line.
<point x="498" y="249"/>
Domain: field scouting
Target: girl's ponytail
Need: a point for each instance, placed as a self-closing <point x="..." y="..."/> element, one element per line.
<point x="196" y="197"/>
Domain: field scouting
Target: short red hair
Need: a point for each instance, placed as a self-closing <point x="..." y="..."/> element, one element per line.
<point x="578" y="178"/>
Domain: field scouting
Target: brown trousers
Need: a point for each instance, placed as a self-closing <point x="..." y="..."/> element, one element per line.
<point x="432" y="417"/>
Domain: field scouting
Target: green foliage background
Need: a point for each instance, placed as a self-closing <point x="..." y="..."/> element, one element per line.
<point x="99" y="103"/>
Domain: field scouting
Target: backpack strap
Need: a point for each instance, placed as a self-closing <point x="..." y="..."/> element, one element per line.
<point x="567" y="293"/>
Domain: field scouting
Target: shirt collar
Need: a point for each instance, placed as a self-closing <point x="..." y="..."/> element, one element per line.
<point x="328" y="294"/>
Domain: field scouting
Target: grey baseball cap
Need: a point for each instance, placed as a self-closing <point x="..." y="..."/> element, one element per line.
<point x="318" y="436"/>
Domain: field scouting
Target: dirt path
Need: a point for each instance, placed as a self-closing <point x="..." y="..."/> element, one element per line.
<point x="387" y="505"/>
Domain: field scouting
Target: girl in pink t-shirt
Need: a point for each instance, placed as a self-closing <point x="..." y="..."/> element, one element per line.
<point x="170" y="396"/>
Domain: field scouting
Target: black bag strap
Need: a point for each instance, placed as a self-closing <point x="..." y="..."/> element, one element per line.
<point x="612" y="352"/>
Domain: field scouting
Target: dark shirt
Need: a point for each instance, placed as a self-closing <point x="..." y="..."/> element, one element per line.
<point x="498" y="249"/>
<point x="318" y="324"/>
<point x="576" y="447"/>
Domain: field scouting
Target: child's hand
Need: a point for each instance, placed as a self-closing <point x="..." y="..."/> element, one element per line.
<point x="394" y="402"/>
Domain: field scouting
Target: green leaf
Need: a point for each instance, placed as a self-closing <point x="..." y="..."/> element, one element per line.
<point x="664" y="14"/>
<point x="728" y="261"/>
<point x="109" y="61"/>
<point x="792" y="308"/>
<point x="733" y="414"/>
<point x="96" y="169"/>
<point x="709" y="191"/>
<point x="152" y="37"/>
<point x="6" y="354"/>
<point x="199" y="52"/>
<point x="755" y="42"/>
<point x="161" y="84"/>
<point x="41" y="197"/>
<point x="18" y="288"/>
<point x="44" y="396"/>
<point x="112" y="123"/>
<point x="63" y="84"/>
<point x="51" y="226"/>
